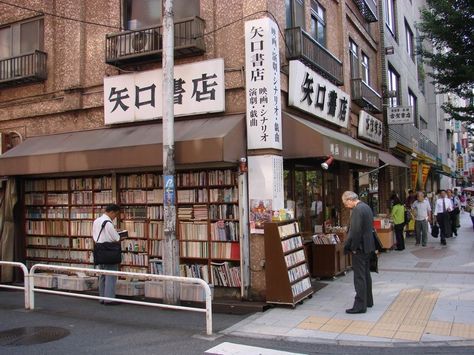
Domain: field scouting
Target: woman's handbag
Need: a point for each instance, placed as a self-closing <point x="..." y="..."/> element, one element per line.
<point x="435" y="230"/>
<point x="108" y="252"/>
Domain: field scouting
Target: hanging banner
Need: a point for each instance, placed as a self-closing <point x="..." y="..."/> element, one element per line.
<point x="414" y="173"/>
<point x="262" y="84"/>
<point x="424" y="175"/>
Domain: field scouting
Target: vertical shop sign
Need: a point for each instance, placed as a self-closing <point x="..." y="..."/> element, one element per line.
<point x="424" y="175"/>
<point x="370" y="128"/>
<point x="262" y="80"/>
<point x="414" y="173"/>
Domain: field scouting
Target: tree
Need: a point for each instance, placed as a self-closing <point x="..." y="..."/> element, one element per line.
<point x="448" y="25"/>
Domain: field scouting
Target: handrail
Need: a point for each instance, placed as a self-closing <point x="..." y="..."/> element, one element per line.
<point x="191" y="280"/>
<point x="26" y="276"/>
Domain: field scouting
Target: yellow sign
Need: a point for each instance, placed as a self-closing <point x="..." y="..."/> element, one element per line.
<point x="414" y="173"/>
<point x="424" y="175"/>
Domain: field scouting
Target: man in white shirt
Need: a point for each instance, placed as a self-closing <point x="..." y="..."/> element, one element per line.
<point x="422" y="212"/>
<point x="107" y="233"/>
<point x="442" y="208"/>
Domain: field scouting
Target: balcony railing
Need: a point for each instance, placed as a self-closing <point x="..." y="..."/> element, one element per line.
<point x="365" y="96"/>
<point x="368" y="9"/>
<point x="407" y="134"/>
<point x="147" y="44"/>
<point x="301" y="46"/>
<point x="25" y="68"/>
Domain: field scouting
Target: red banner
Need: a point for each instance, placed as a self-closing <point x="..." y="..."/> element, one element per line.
<point x="414" y="173"/>
<point x="424" y="175"/>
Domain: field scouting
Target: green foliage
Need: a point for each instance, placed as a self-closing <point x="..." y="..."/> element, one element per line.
<point x="449" y="26"/>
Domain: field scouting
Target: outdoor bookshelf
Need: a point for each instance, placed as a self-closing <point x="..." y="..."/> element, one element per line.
<point x="59" y="214"/>
<point x="286" y="268"/>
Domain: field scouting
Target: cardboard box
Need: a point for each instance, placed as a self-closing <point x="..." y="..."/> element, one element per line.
<point x="76" y="283"/>
<point x="130" y="288"/>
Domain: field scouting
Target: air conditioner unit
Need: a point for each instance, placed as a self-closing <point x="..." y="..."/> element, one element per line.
<point x="135" y="43"/>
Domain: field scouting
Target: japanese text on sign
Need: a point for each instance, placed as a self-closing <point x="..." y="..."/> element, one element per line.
<point x="262" y="63"/>
<point x="198" y="88"/>
<point x="370" y="128"/>
<point x="312" y="93"/>
<point x="400" y="115"/>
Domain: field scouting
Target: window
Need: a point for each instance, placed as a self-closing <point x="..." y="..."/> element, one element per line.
<point x="423" y="123"/>
<point x="412" y="103"/>
<point x="140" y="14"/>
<point x="390" y="15"/>
<point x="354" y="59"/>
<point x="318" y="23"/>
<point x="393" y="87"/>
<point x="410" y="41"/>
<point x="21" y="38"/>
<point x="365" y="68"/>
<point x="294" y="13"/>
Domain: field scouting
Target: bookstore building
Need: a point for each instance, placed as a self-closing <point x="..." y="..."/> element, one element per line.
<point x="65" y="180"/>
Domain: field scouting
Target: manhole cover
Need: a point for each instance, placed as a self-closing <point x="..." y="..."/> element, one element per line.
<point x="32" y="335"/>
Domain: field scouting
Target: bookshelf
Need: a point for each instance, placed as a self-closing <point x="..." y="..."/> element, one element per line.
<point x="286" y="268"/>
<point x="329" y="259"/>
<point x="59" y="213"/>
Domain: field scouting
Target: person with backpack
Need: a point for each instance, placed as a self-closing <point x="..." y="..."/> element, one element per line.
<point x="398" y="218"/>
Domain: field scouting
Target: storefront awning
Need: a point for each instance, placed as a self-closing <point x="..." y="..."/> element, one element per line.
<point x="305" y="139"/>
<point x="389" y="159"/>
<point x="209" y="140"/>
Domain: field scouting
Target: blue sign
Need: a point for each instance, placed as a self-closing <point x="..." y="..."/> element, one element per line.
<point x="169" y="190"/>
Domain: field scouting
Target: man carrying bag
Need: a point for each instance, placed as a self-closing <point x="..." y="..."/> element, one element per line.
<point x="107" y="252"/>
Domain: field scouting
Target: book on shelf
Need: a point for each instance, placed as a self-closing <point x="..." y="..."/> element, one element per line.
<point x="200" y="271"/>
<point x="197" y="178"/>
<point x="57" y="184"/>
<point x="123" y="234"/>
<point x="133" y="196"/>
<point x="156" y="247"/>
<point x="193" y="230"/>
<point x="292" y="243"/>
<point x="225" y="231"/>
<point x="35" y="185"/>
<point x="154" y="196"/>
<point x="35" y="199"/>
<point x="156" y="266"/>
<point x="59" y="242"/>
<point x="192" y="195"/>
<point x="301" y="286"/>
<point x="135" y="229"/>
<point x="81" y="228"/>
<point x="57" y="198"/>
<point x="58" y="212"/>
<point x="225" y="274"/>
<point x="295" y="258"/>
<point x="103" y="183"/>
<point x="82" y="184"/>
<point x="135" y="212"/>
<point x="102" y="197"/>
<point x="154" y="212"/>
<point x="326" y="239"/>
<point x="298" y="272"/>
<point x="200" y="212"/>
<point x="82" y="243"/>
<point x="156" y="230"/>
<point x="134" y="245"/>
<point x="224" y="195"/>
<point x="222" y="177"/>
<point x="81" y="198"/>
<point x="81" y="213"/>
<point x="194" y="249"/>
<point x="136" y="259"/>
<point x="288" y="229"/>
<point x="224" y="250"/>
<point x="224" y="211"/>
<point x="185" y="213"/>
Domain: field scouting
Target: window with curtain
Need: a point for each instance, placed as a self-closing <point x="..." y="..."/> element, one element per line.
<point x="139" y="14"/>
<point x="410" y="41"/>
<point x="21" y="38"/>
<point x="318" y="23"/>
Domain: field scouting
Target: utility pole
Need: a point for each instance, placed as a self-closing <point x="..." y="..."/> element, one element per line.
<point x="170" y="245"/>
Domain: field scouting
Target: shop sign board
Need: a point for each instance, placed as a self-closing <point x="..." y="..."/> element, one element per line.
<point x="265" y="173"/>
<point x="310" y="92"/>
<point x="370" y="128"/>
<point x="198" y="88"/>
<point x="400" y="115"/>
<point x="262" y="84"/>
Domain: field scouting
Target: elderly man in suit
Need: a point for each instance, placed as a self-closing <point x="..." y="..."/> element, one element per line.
<point x="360" y="243"/>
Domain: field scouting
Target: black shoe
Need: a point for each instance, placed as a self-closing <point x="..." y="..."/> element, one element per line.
<point x="113" y="303"/>
<point x="354" y="311"/>
<point x="443" y="242"/>
<point x="370" y="305"/>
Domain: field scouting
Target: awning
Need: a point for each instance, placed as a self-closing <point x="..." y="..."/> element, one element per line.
<point x="389" y="159"/>
<point x="305" y="139"/>
<point x="218" y="139"/>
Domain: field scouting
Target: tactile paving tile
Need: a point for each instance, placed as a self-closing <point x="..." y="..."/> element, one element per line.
<point x="463" y="330"/>
<point x="313" y="322"/>
<point x="359" y="327"/>
<point x="336" y="325"/>
<point x="438" y="328"/>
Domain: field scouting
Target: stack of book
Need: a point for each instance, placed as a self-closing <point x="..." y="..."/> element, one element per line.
<point x="224" y="274"/>
<point x="185" y="213"/>
<point x="200" y="212"/>
<point x="326" y="239"/>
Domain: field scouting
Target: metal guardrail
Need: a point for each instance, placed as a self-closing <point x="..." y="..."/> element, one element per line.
<point x="25" y="275"/>
<point x="30" y="289"/>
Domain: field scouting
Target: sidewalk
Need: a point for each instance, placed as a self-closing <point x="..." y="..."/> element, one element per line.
<point x="422" y="295"/>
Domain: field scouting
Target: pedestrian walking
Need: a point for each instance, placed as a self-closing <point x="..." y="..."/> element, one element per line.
<point x="422" y="211"/>
<point x="454" y="214"/>
<point x="360" y="243"/>
<point x="103" y="231"/>
<point x="442" y="208"/>
<point x="398" y="218"/>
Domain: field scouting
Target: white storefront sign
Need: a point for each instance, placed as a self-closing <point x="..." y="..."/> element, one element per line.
<point x="400" y="115"/>
<point x="370" y="128"/>
<point x="310" y="92"/>
<point x="198" y="88"/>
<point x="265" y="173"/>
<point x="262" y="80"/>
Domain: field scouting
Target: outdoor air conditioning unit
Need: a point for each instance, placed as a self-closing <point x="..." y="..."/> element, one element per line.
<point x="130" y="44"/>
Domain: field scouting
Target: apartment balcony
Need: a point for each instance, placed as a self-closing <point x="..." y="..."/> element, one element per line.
<point x="145" y="45"/>
<point x="366" y="97"/>
<point x="22" y="69"/>
<point x="301" y="46"/>
<point x="368" y="9"/>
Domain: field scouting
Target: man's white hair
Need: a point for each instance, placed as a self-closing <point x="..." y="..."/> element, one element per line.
<point x="349" y="196"/>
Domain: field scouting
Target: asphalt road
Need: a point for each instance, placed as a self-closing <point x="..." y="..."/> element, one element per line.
<point x="127" y="329"/>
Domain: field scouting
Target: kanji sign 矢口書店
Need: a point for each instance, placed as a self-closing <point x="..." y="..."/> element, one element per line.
<point x="198" y="88"/>
<point x="262" y="80"/>
<point x="310" y="92"/>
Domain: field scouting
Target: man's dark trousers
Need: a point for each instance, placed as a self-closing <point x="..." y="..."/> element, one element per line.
<point x="444" y="222"/>
<point x="362" y="281"/>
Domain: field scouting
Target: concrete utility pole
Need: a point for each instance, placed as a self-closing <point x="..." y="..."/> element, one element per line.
<point x="170" y="244"/>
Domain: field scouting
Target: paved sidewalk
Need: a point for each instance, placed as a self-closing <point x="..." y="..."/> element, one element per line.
<point x="421" y="295"/>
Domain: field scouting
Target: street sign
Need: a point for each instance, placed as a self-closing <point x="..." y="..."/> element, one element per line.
<point x="400" y="115"/>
